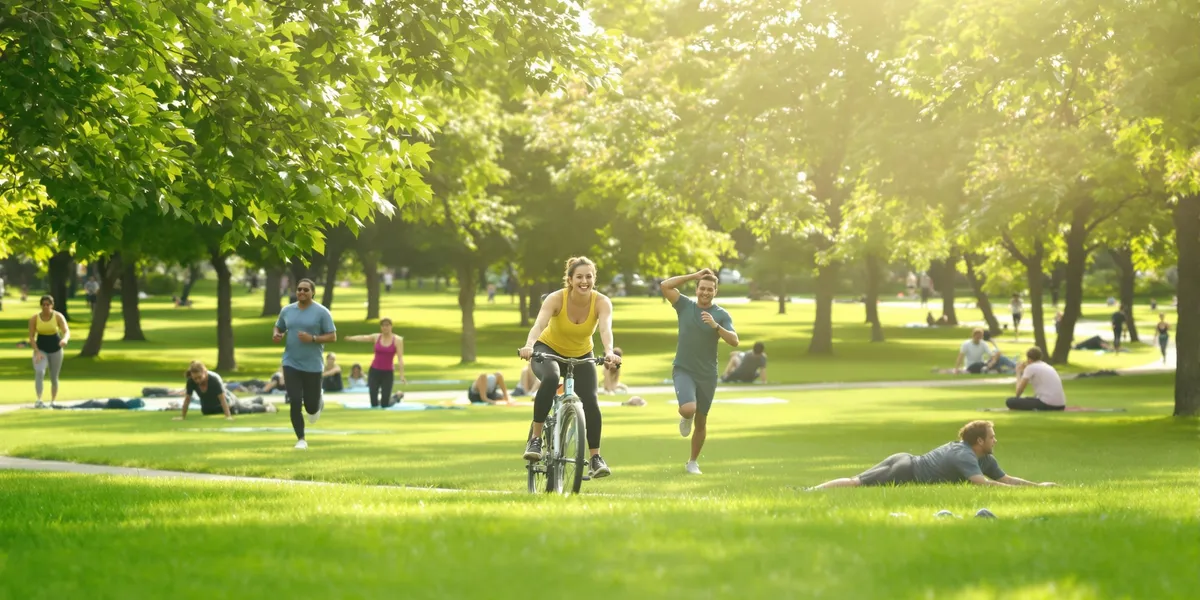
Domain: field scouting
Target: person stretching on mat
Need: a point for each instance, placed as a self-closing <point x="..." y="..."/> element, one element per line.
<point x="969" y="459"/>
<point x="209" y="387"/>
<point x="565" y="325"/>
<point x="489" y="388"/>
<point x="307" y="326"/>
<point x="48" y="334"/>
<point x="388" y="362"/>
<point x="701" y="325"/>
<point x="1047" y="386"/>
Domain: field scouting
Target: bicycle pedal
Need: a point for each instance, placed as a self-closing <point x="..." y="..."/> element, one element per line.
<point x="587" y="478"/>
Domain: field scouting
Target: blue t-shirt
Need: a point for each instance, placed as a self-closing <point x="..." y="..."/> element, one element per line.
<point x="315" y="320"/>
<point x="697" y="349"/>
<point x="953" y="463"/>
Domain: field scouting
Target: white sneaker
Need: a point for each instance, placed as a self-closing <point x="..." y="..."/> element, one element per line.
<point x="39" y="404"/>
<point x="312" y="419"/>
<point x="302" y="445"/>
<point x="692" y="468"/>
<point x="685" y="426"/>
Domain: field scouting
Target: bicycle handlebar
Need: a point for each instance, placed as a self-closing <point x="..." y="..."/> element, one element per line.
<point x="540" y="356"/>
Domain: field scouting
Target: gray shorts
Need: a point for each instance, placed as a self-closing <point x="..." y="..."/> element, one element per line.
<point x="689" y="388"/>
<point x="896" y="469"/>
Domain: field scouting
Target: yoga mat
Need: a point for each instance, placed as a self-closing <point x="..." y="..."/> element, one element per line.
<point x="401" y="407"/>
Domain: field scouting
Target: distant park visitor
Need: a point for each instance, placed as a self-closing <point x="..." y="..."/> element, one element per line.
<point x="48" y="335"/>
<point x="1164" y="335"/>
<point x="1017" y="309"/>
<point x="306" y="325"/>
<point x="565" y="325"/>
<point x="702" y="324"/>
<point x="745" y="367"/>
<point x="975" y="355"/>
<point x="488" y="388"/>
<point x="387" y="363"/>
<point x="969" y="459"/>
<point x="1118" y="329"/>
<point x="1047" y="386"/>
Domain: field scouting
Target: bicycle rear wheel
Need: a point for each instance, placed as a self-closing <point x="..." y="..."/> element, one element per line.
<point x="571" y="451"/>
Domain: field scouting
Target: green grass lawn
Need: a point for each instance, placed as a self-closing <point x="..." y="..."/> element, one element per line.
<point x="430" y="324"/>
<point x="1122" y="525"/>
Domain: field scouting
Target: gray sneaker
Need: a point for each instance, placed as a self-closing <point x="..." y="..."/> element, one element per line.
<point x="533" y="451"/>
<point x="599" y="468"/>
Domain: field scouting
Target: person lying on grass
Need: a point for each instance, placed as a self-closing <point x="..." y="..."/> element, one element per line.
<point x="968" y="459"/>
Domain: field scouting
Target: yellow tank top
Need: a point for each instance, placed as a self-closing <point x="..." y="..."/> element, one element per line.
<point x="47" y="327"/>
<point x="566" y="338"/>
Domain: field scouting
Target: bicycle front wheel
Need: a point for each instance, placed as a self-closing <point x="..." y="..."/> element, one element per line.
<point x="571" y="449"/>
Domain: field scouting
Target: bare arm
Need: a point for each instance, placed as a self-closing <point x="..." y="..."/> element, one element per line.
<point x="604" y="311"/>
<point x="187" y="400"/>
<point x="325" y="338"/>
<point x="399" y="342"/>
<point x="1010" y="480"/>
<point x="33" y="337"/>
<point x="958" y="363"/>
<point x="334" y="370"/>
<point x="982" y="480"/>
<point x="549" y="308"/>
<point x="1021" y="383"/>
<point x="225" y="406"/>
<point x="370" y="337"/>
<point x="62" y="324"/>
<point x="669" y="286"/>
<point x="763" y="374"/>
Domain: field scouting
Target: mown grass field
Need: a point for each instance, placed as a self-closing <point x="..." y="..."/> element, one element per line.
<point x="1122" y="525"/>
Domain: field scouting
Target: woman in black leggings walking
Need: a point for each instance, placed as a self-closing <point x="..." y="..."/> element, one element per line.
<point x="387" y="364"/>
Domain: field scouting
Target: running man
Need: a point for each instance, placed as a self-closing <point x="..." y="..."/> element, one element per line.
<point x="969" y="459"/>
<point x="565" y="326"/>
<point x="307" y="326"/>
<point x="701" y="324"/>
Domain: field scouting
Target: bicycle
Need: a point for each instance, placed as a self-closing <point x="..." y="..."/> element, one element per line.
<point x="564" y="436"/>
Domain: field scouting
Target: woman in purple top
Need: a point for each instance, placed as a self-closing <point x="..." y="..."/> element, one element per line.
<point x="388" y="362"/>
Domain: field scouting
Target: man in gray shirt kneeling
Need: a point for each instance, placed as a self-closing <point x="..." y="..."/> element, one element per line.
<point x="968" y="459"/>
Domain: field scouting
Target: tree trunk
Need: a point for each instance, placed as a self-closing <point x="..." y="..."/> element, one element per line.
<point x="60" y="273"/>
<point x="299" y="271"/>
<point x="945" y="273"/>
<point x="985" y="304"/>
<point x="783" y="293"/>
<point x="467" y="285"/>
<point x="333" y="260"/>
<point x="1123" y="258"/>
<point x="370" y="264"/>
<point x="522" y="302"/>
<point x="109" y="269"/>
<point x="194" y="273"/>
<point x="129" y="302"/>
<point x="73" y="280"/>
<point x="1037" y="281"/>
<point x="226" y="362"/>
<point x="271" y="295"/>
<point x="535" y="301"/>
<point x="1056" y="280"/>
<point x="1077" y="254"/>
<point x="822" y="334"/>
<point x="874" y="276"/>
<point x="1187" y="330"/>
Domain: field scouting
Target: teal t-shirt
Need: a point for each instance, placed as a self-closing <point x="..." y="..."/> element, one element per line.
<point x="697" y="350"/>
<point x="316" y="320"/>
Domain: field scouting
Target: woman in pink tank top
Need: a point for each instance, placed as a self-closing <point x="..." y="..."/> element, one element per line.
<point x="387" y="364"/>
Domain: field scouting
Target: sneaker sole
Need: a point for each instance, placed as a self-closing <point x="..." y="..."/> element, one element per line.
<point x="600" y="474"/>
<point x="685" y="432"/>
<point x="532" y="457"/>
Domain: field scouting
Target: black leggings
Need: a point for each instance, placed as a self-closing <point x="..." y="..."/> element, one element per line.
<point x="1029" y="403"/>
<point x="548" y="372"/>
<point x="378" y="381"/>
<point x="303" y="388"/>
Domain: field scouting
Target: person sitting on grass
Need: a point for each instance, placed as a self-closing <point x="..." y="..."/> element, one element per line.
<point x="745" y="367"/>
<point x="357" y="380"/>
<point x="1047" y="385"/>
<point x="276" y="384"/>
<point x="612" y="379"/>
<point x="969" y="459"/>
<point x="331" y="378"/>
<point x="975" y="354"/>
<point x="1001" y="364"/>
<point x="488" y="388"/>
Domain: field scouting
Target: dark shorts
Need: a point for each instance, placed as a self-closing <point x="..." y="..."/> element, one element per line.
<point x="473" y="395"/>
<point x="896" y="469"/>
<point x="689" y="388"/>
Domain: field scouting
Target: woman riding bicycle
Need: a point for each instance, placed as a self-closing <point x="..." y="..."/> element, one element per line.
<point x="565" y="325"/>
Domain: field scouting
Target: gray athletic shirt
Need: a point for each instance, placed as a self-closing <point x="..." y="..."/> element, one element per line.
<point x="953" y="463"/>
<point x="316" y="320"/>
